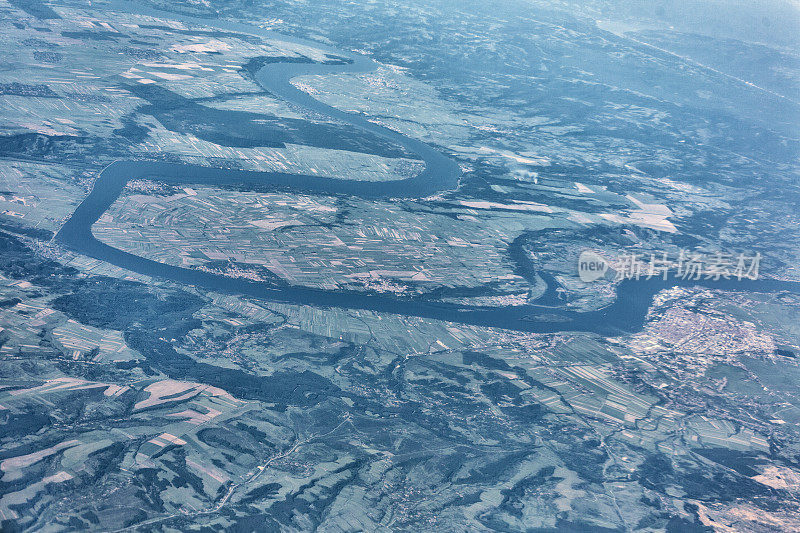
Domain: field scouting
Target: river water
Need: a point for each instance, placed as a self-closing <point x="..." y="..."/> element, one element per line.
<point x="441" y="173"/>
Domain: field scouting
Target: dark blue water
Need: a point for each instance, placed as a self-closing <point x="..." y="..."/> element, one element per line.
<point x="441" y="173"/>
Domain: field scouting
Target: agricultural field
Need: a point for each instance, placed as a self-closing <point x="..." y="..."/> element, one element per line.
<point x="280" y="266"/>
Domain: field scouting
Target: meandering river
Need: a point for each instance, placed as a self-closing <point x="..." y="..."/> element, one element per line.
<point x="441" y="173"/>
